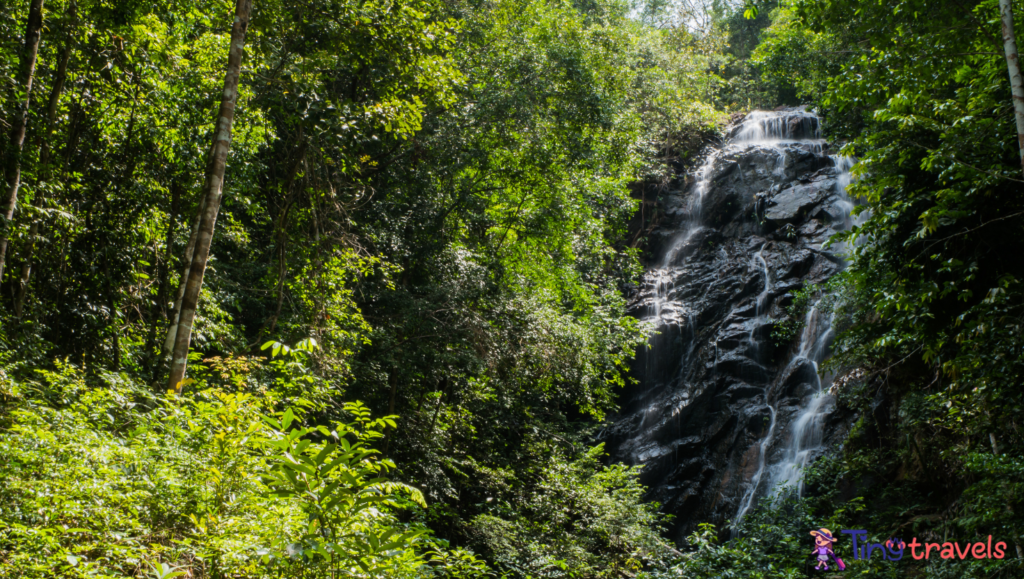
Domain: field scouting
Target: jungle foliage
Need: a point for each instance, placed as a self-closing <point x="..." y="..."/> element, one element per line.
<point x="425" y="209"/>
<point x="921" y="91"/>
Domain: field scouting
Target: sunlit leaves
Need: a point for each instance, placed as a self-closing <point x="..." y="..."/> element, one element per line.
<point x="340" y="485"/>
<point x="87" y="480"/>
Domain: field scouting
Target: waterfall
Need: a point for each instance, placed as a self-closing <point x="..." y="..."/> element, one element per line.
<point x="662" y="311"/>
<point x="748" y="497"/>
<point x="760" y="311"/>
<point x="843" y="164"/>
<point x="805" y="440"/>
<point x="762" y="298"/>
<point x="719" y="413"/>
<point x="761" y="127"/>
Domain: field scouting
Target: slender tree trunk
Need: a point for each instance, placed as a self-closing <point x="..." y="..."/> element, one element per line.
<point x="281" y="235"/>
<point x="1016" y="82"/>
<point x="212" y="191"/>
<point x="172" y="330"/>
<point x="44" y="156"/>
<point x="12" y="170"/>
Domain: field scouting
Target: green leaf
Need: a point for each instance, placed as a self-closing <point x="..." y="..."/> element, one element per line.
<point x="287" y="419"/>
<point x="324" y="453"/>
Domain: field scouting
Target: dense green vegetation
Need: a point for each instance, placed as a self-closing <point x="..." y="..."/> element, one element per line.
<point x="424" y="209"/>
<point x="412" y="320"/>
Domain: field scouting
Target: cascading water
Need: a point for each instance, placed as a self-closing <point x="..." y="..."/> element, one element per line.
<point x="693" y="224"/>
<point x="748" y="497"/>
<point x="806" y="436"/>
<point x="761" y="128"/>
<point x="763" y="296"/>
<point x="759" y="312"/>
<point x="720" y="412"/>
<point x="844" y="164"/>
<point x="805" y="440"/>
<point x="769" y="126"/>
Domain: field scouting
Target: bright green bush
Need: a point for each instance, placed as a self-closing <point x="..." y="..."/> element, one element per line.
<point x="108" y="480"/>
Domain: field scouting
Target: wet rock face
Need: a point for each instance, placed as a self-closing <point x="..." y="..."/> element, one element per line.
<point x="716" y="398"/>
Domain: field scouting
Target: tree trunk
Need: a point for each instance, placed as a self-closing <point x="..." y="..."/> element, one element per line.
<point x="212" y="191"/>
<point x="12" y="170"/>
<point x="1016" y="82"/>
<point x="281" y="231"/>
<point x="172" y="330"/>
<point x="44" y="156"/>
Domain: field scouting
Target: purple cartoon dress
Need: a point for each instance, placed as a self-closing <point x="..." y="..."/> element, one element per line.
<point x="823" y="553"/>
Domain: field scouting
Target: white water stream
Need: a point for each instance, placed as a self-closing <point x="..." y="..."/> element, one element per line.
<point x="805" y="439"/>
<point x="805" y="431"/>
<point x="759" y="129"/>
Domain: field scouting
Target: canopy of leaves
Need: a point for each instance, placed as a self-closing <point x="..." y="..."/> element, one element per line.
<point x="436" y="194"/>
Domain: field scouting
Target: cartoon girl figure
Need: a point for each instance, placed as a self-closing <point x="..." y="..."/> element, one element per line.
<point x="823" y="547"/>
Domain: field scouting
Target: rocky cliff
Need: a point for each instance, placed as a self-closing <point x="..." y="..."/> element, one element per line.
<point x="721" y="412"/>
